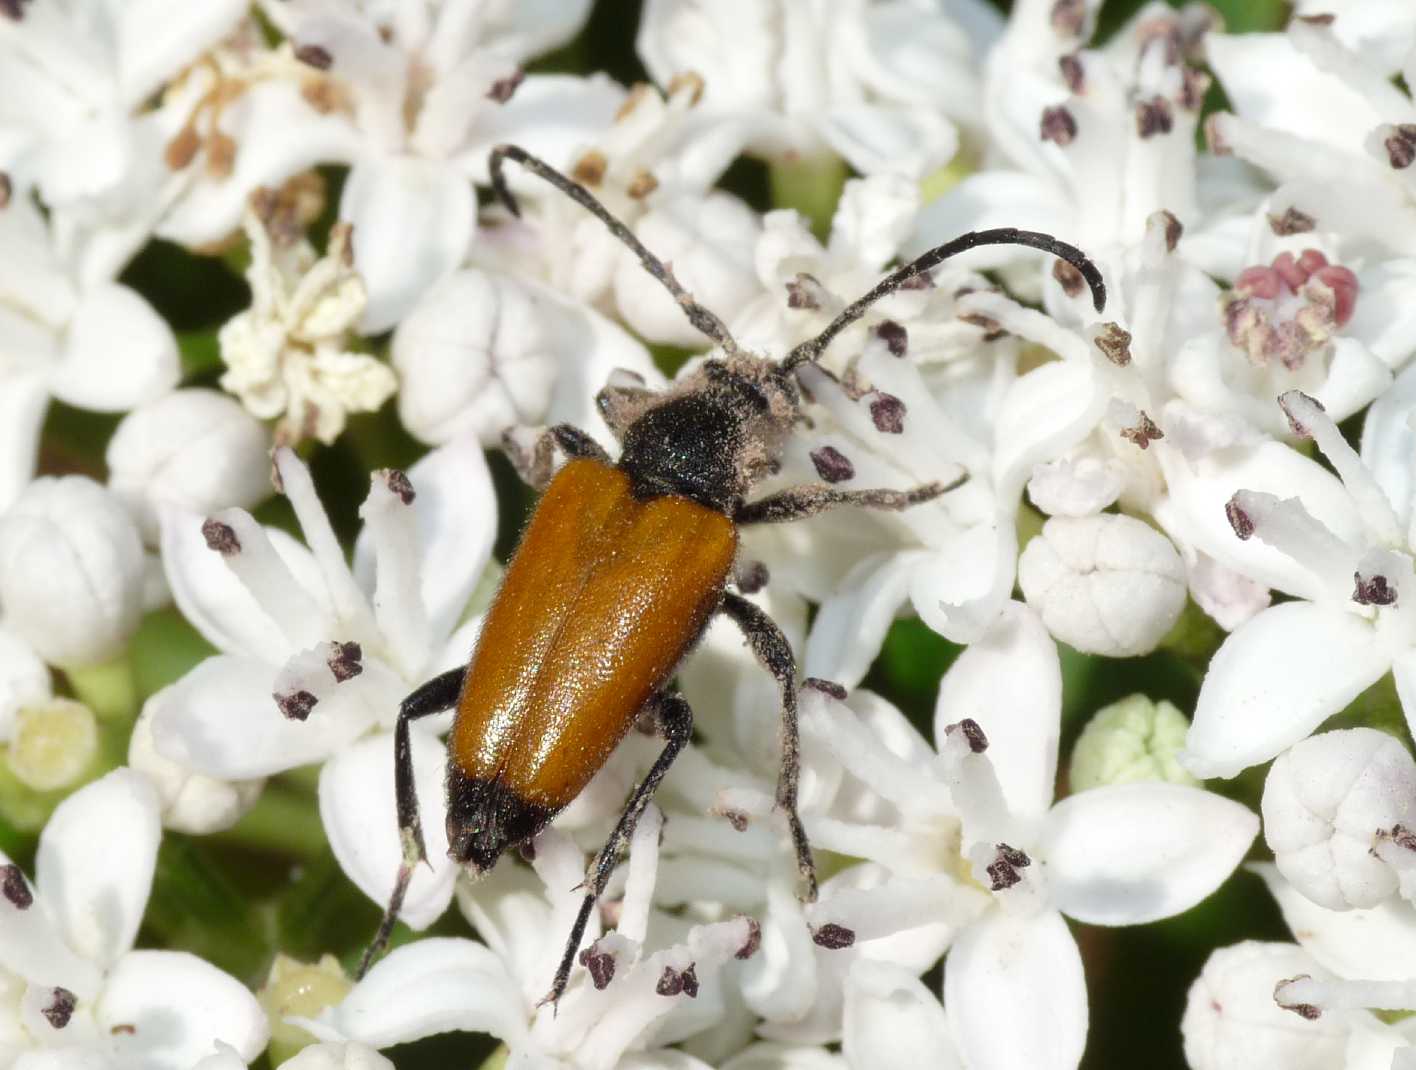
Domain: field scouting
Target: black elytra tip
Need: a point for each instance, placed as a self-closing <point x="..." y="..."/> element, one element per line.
<point x="485" y="817"/>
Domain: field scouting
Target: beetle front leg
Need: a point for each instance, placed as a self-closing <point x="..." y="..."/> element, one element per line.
<point x="533" y="463"/>
<point x="438" y="694"/>
<point x="775" y="653"/>
<point x="798" y="503"/>
<point x="675" y="719"/>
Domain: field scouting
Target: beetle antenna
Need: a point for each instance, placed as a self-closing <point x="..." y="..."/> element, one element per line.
<point x="811" y="350"/>
<point x="699" y="316"/>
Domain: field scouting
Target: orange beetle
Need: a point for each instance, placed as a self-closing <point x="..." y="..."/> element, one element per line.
<point x="617" y="574"/>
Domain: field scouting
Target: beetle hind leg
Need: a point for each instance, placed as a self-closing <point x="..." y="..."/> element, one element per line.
<point x="438" y="694"/>
<point x="775" y="653"/>
<point x="675" y="718"/>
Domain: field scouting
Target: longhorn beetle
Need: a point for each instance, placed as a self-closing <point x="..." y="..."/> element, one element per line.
<point x="617" y="574"/>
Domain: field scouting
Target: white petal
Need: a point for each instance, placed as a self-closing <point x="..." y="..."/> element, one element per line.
<point x="1376" y="944"/>
<point x="24" y="678"/>
<point x="178" y="1006"/>
<point x="1107" y="584"/>
<point x="1128" y="854"/>
<point x="221" y="719"/>
<point x="990" y="199"/>
<point x="24" y="396"/>
<point x="553" y="116"/>
<point x="351" y="1056"/>
<point x="1275" y="680"/>
<point x="1231" y="1021"/>
<point x="873" y="138"/>
<point x="361" y="821"/>
<point x="959" y="589"/>
<point x="1389" y="443"/>
<point x="851" y="625"/>
<point x="1015" y="993"/>
<point x="772" y="1056"/>
<point x="412" y="221"/>
<point x="98" y="897"/>
<point x="432" y="986"/>
<point x="156" y="39"/>
<point x="891" y="1020"/>
<point x="1044" y="413"/>
<point x="1010" y="682"/>
<point x="32" y="949"/>
<point x="118" y="352"/>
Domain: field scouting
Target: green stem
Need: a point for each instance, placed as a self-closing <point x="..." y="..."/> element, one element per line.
<point x="810" y="184"/>
<point x="281" y="821"/>
<point x="108" y="688"/>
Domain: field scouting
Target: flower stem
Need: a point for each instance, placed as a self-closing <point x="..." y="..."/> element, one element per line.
<point x="107" y="688"/>
<point x="281" y="821"/>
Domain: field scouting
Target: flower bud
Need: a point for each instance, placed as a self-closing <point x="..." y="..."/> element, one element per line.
<point x="1104" y="584"/>
<point x="301" y="989"/>
<point x="1134" y="739"/>
<point x="195" y="448"/>
<point x="71" y="570"/>
<point x="1326" y="802"/>
<point x="54" y="744"/>
<point x="192" y="802"/>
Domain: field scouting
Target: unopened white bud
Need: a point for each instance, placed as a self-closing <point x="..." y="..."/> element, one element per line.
<point x="351" y="1056"/>
<point x="71" y="570"/>
<point x="24" y="679"/>
<point x="192" y="802"/>
<point x="54" y="744"/>
<point x="1134" y="739"/>
<point x="1328" y="802"/>
<point x="1104" y="584"/>
<point x="195" y="448"/>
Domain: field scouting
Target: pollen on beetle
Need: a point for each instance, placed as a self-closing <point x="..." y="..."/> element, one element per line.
<point x="315" y="56"/>
<point x="1058" y="125"/>
<point x="14" y="888"/>
<point x="503" y="89"/>
<point x="1239" y="520"/>
<point x="832" y="465"/>
<point x="295" y="705"/>
<point x="345" y="661"/>
<point x="833" y="937"/>
<point x="753" y="941"/>
<point x="1372" y="590"/>
<point x="60" y="1008"/>
<point x="887" y="412"/>
<point x="600" y="965"/>
<point x="400" y="484"/>
<point x="220" y="537"/>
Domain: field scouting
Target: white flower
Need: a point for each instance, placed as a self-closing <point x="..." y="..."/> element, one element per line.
<point x="195" y="448"/>
<point x="351" y="1056"/>
<point x="316" y="656"/>
<point x="66" y="946"/>
<point x="67" y="333"/>
<point x="429" y="92"/>
<point x="877" y="84"/>
<point x="482" y="352"/>
<point x="1332" y="806"/>
<point x="71" y="571"/>
<point x="1340" y="547"/>
<point x="1119" y="855"/>
<point x="1105" y="584"/>
<point x="285" y="356"/>
<point x="637" y="998"/>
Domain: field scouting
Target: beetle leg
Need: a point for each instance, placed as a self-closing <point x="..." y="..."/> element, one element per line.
<point x="773" y="650"/>
<point x="438" y="694"/>
<point x="797" y="503"/>
<point x="533" y="463"/>
<point x="623" y="400"/>
<point x="676" y="721"/>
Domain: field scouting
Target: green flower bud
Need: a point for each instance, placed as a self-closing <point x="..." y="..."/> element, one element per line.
<point x="299" y="988"/>
<point x="1134" y="739"/>
<point x="54" y="745"/>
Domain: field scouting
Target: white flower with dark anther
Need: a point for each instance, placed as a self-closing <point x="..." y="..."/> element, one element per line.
<point x="1344" y="550"/>
<point x="429" y="88"/>
<point x="621" y="1010"/>
<point x="316" y="656"/>
<point x="880" y="85"/>
<point x="1336" y="807"/>
<point x="482" y="352"/>
<point x="71" y="571"/>
<point x="286" y="355"/>
<point x="1104" y="584"/>
<point x="67" y="333"/>
<point x="1124" y="854"/>
<point x="77" y="990"/>
<point x="194" y="448"/>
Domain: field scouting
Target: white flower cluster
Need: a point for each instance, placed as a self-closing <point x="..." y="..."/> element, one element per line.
<point x="1227" y="450"/>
